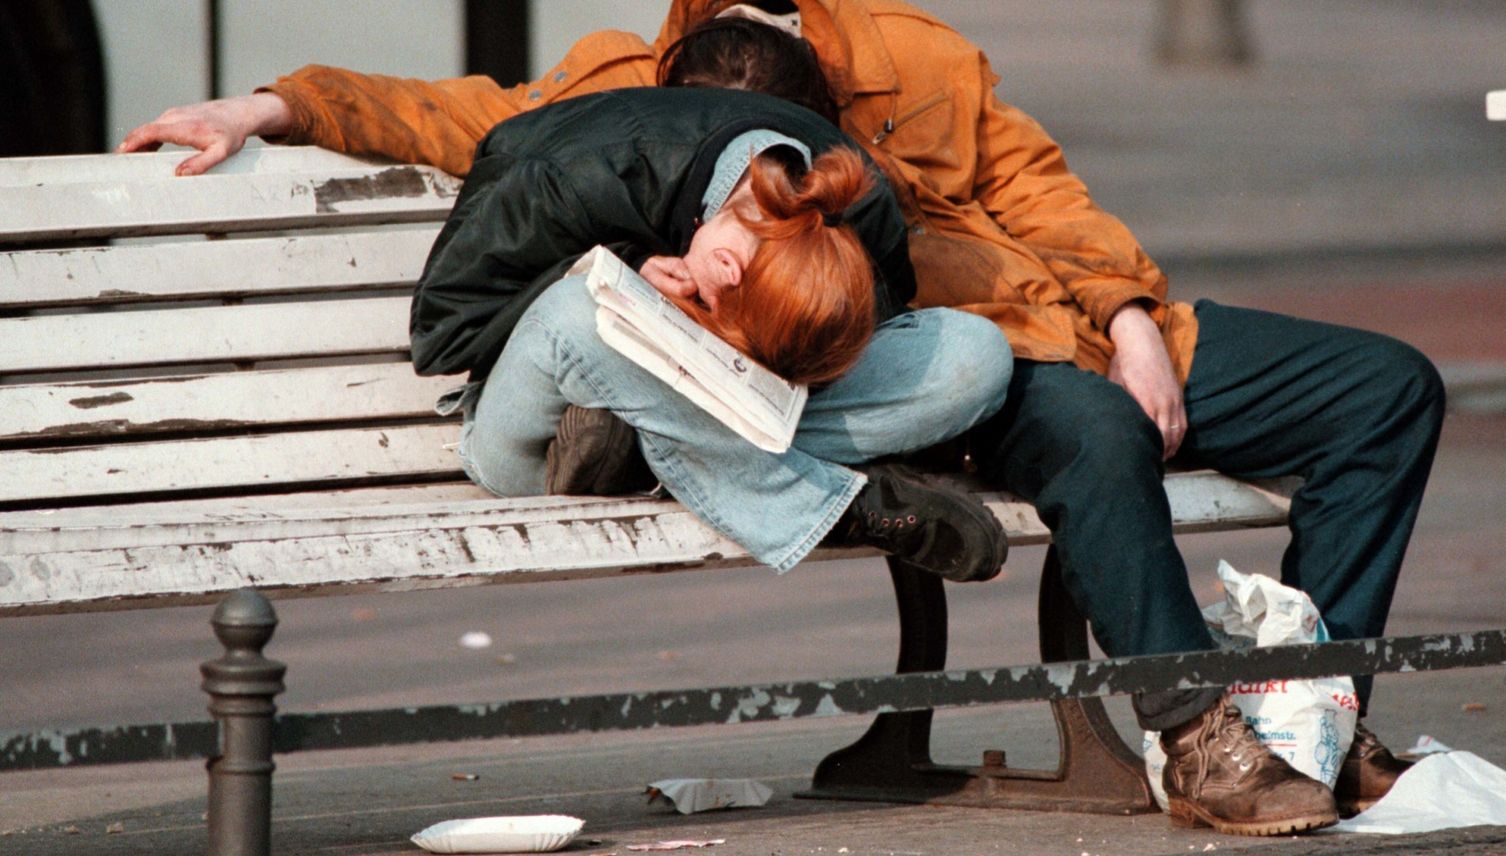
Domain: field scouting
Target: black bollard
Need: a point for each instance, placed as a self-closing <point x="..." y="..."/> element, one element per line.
<point x="241" y="686"/>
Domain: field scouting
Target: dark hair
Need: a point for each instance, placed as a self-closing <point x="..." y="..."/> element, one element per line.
<point x="736" y="53"/>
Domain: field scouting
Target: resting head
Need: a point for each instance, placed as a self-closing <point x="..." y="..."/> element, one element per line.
<point x="779" y="275"/>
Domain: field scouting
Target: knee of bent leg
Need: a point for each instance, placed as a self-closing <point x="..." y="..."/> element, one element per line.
<point x="975" y="357"/>
<point x="566" y="309"/>
<point x="1413" y="385"/>
<point x="1109" y="434"/>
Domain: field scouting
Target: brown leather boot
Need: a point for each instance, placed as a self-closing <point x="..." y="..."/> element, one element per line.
<point x="1219" y="774"/>
<point x="1368" y="773"/>
<point x="594" y="453"/>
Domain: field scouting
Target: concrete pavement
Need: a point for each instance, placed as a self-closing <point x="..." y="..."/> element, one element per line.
<point x="369" y="802"/>
<point x="819" y="621"/>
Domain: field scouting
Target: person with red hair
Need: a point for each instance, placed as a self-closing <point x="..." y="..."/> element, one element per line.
<point x="772" y="229"/>
<point x="776" y="274"/>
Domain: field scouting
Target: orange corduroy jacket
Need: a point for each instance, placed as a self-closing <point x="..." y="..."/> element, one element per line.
<point x="999" y="226"/>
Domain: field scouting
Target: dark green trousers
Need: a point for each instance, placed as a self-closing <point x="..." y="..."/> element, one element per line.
<point x="1354" y="413"/>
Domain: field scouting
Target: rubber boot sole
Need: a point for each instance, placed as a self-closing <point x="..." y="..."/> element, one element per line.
<point x="985" y="519"/>
<point x="1188" y="815"/>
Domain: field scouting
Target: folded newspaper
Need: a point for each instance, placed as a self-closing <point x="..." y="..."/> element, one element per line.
<point x="641" y="324"/>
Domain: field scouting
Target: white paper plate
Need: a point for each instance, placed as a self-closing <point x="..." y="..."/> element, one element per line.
<point x="537" y="833"/>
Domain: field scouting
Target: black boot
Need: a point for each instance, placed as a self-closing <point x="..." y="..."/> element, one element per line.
<point x="940" y="528"/>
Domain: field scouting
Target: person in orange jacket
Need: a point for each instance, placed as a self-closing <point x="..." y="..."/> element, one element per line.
<point x="1111" y="378"/>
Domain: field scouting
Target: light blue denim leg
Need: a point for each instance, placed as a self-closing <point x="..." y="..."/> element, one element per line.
<point x="777" y="506"/>
<point x="555" y="358"/>
<point x="926" y="377"/>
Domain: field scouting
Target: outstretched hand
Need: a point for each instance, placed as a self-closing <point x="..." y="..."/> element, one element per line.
<point x="1143" y="367"/>
<point x="218" y="129"/>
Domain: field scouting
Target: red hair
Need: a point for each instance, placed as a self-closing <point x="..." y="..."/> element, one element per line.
<point x="805" y="306"/>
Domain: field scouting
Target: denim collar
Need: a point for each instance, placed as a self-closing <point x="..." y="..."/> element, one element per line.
<point x="734" y="160"/>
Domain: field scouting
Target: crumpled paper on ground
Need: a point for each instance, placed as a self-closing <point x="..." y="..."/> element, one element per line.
<point x="693" y="795"/>
<point x="1441" y="791"/>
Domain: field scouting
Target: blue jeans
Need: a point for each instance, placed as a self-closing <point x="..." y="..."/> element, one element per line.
<point x="1355" y="414"/>
<point x="926" y="377"/>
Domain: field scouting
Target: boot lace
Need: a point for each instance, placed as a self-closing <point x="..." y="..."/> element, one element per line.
<point x="1231" y="736"/>
<point x="1237" y="739"/>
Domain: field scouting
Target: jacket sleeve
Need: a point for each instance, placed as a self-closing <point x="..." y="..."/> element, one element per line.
<point x="1023" y="181"/>
<point x="440" y="122"/>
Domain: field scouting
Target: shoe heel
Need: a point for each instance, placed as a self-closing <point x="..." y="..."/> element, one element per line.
<point x="1182" y="816"/>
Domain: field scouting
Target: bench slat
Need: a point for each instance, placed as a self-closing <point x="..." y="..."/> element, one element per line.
<point x="53" y="523"/>
<point x="58" y="169"/>
<point x="229" y="268"/>
<point x="300" y="457"/>
<point x="204" y="334"/>
<point x="218" y="401"/>
<point x="66" y="529"/>
<point x="76" y="560"/>
<point x="69" y="530"/>
<point x="1198" y="499"/>
<point x="387" y="561"/>
<point x="224" y="203"/>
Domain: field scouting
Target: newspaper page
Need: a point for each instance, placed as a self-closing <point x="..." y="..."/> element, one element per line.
<point x="638" y="322"/>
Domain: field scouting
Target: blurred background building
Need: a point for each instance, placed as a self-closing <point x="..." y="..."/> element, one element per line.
<point x="1226" y="129"/>
<point x="134" y="58"/>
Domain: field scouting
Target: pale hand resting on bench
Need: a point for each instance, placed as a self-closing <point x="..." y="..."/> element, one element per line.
<point x="218" y="129"/>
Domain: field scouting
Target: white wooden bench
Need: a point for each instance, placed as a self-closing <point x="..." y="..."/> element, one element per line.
<point x="183" y="417"/>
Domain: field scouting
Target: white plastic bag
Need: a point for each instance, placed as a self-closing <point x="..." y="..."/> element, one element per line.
<point x="1310" y="723"/>
<point x="1445" y="790"/>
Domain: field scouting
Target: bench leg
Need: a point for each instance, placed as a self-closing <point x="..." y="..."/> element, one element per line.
<point x="888" y="762"/>
<point x="892" y="762"/>
<point x="241" y="686"/>
<point x="1095" y="764"/>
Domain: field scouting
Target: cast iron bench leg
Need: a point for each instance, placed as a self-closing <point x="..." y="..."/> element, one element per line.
<point x="892" y="762"/>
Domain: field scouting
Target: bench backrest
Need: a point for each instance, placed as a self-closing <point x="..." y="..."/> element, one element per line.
<point x="204" y="385"/>
<point x="251" y="335"/>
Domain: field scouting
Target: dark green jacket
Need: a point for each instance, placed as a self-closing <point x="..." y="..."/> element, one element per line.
<point x="626" y="169"/>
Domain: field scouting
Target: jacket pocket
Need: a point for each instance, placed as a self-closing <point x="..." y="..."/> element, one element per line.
<point x="896" y="122"/>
